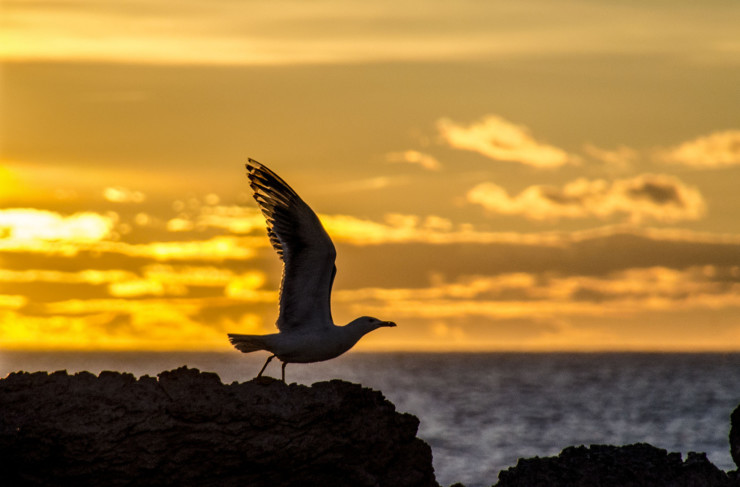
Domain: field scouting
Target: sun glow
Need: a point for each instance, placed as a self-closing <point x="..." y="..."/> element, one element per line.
<point x="28" y="225"/>
<point x="494" y="175"/>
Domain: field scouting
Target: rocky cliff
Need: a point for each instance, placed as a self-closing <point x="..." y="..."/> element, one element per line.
<point x="187" y="428"/>
<point x="616" y="466"/>
<point x="735" y="436"/>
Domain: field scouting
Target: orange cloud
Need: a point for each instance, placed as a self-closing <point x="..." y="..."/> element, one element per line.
<point x="539" y="296"/>
<point x="713" y="151"/>
<point x="24" y="225"/>
<point x="426" y="161"/>
<point x="501" y="140"/>
<point x="469" y="288"/>
<point x="466" y="309"/>
<point x="88" y="276"/>
<point x="132" y="326"/>
<point x="195" y="275"/>
<point x="651" y="196"/>
<point x="235" y="219"/>
<point x="431" y="230"/>
<point x="119" y="194"/>
<point x="142" y="287"/>
<point x="214" y="249"/>
<point x="166" y="280"/>
<point x="445" y="309"/>
<point x="620" y="159"/>
<point x="179" y="225"/>
<point x="338" y="31"/>
<point x="10" y="301"/>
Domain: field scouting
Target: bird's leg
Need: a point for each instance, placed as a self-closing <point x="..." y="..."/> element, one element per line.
<point x="265" y="366"/>
<point x="284" y="364"/>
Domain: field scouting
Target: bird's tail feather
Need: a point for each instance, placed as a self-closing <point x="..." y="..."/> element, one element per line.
<point x="247" y="343"/>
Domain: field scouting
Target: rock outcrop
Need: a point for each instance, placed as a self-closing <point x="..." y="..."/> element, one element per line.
<point x="187" y="428"/>
<point x="735" y="436"/>
<point x="616" y="466"/>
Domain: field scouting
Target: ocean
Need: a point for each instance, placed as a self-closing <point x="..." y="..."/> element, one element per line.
<point x="481" y="412"/>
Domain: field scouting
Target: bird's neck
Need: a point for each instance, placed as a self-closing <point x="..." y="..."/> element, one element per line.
<point x="357" y="330"/>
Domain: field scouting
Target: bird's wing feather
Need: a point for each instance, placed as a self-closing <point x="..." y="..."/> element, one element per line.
<point x="303" y="245"/>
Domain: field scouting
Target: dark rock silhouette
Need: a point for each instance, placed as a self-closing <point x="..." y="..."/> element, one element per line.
<point x="616" y="466"/>
<point x="187" y="428"/>
<point x="735" y="436"/>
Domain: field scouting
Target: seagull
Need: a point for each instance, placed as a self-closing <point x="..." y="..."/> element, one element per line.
<point x="307" y="332"/>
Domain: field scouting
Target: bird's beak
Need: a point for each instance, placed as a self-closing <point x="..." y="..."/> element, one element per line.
<point x="388" y="323"/>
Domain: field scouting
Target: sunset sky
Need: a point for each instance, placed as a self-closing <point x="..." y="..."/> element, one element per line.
<point x="533" y="175"/>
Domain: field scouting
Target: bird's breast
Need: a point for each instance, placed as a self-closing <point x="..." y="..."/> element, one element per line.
<point x="312" y="347"/>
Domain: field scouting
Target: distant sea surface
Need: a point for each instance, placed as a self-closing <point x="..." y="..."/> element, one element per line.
<point x="481" y="412"/>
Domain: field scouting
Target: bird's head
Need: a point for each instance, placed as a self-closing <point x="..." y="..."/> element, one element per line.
<point x="368" y="323"/>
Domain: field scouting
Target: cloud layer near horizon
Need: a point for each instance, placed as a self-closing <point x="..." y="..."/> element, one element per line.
<point x="495" y="176"/>
<point x="339" y="31"/>
<point x="647" y="197"/>
<point x="181" y="280"/>
<point x="186" y="292"/>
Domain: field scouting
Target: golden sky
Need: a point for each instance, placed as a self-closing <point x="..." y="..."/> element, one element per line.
<point x="533" y="175"/>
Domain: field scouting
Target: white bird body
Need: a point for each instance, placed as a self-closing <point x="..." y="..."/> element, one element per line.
<point x="307" y="332"/>
<point x="306" y="346"/>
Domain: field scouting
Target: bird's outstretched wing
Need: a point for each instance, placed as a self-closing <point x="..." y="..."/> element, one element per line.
<point x="303" y="245"/>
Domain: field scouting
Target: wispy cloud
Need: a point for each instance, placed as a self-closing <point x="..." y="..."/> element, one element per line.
<point x="501" y="140"/>
<point x="164" y="305"/>
<point x="12" y="301"/>
<point x="616" y="160"/>
<point x="646" y="283"/>
<point x="713" y="151"/>
<point x="432" y="229"/>
<point x="167" y="280"/>
<point x="122" y="324"/>
<point x="135" y="288"/>
<point x="656" y="197"/>
<point x="371" y="184"/>
<point x="332" y="31"/>
<point x="218" y="248"/>
<point x="426" y="161"/>
<point x="524" y="295"/>
<point x="26" y="225"/>
<point x="119" y="194"/>
<point x="87" y="276"/>
<point x="235" y="219"/>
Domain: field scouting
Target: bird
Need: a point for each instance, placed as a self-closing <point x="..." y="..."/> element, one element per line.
<point x="306" y="330"/>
